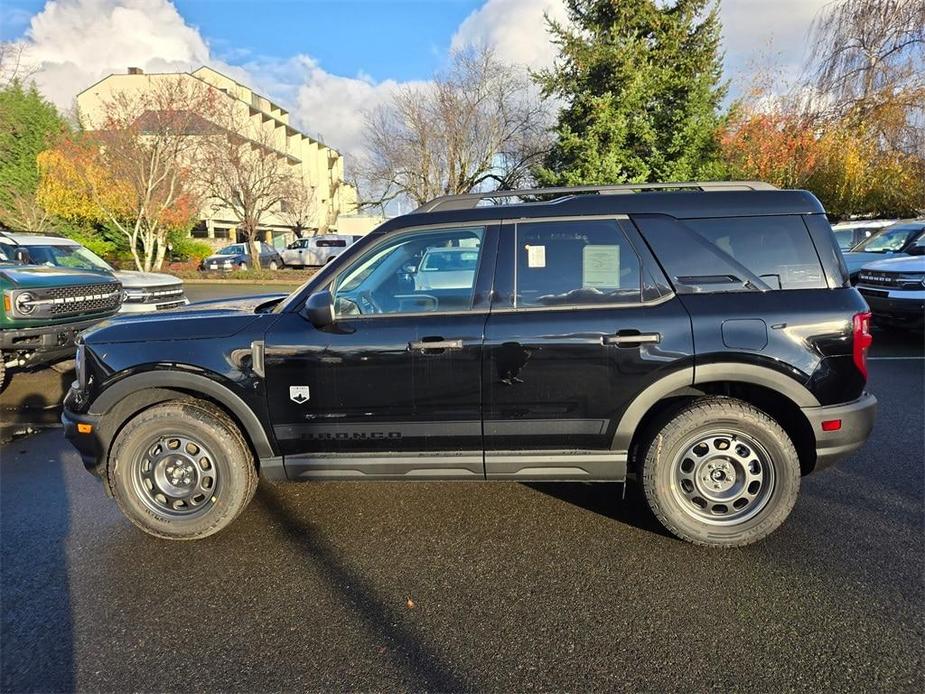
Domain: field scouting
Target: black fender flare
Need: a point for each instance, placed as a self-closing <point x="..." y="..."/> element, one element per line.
<point x="692" y="376"/>
<point x="168" y="380"/>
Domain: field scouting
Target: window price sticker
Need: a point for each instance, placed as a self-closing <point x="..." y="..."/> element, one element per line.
<point x="600" y="266"/>
<point x="536" y="256"/>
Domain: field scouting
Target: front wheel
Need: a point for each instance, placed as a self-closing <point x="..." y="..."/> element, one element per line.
<point x="181" y="470"/>
<point x="720" y="473"/>
<point x="273" y="265"/>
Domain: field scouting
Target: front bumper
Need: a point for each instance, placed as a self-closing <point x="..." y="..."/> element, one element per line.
<point x="857" y="421"/>
<point x="48" y="342"/>
<point x="895" y="306"/>
<point x="83" y="432"/>
<point x="133" y="307"/>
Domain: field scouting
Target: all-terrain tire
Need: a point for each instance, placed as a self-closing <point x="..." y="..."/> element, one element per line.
<point x="708" y="443"/>
<point x="2" y="372"/>
<point x="189" y="435"/>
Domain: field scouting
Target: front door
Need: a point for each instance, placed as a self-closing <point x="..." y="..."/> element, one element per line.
<point x="393" y="389"/>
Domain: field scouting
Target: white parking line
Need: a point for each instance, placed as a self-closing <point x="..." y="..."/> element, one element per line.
<point x="894" y="358"/>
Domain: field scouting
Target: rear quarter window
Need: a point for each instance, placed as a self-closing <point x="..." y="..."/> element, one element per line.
<point x="777" y="249"/>
<point x="734" y="254"/>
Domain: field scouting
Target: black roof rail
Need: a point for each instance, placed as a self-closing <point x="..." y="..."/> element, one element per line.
<point x="470" y="200"/>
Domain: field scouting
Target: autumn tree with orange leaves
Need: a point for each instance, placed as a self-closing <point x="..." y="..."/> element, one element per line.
<point x="853" y="131"/>
<point x="134" y="170"/>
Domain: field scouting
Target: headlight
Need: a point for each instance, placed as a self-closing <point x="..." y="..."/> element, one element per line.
<point x="24" y="303"/>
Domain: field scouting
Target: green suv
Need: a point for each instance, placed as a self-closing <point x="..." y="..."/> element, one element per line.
<point x="45" y="307"/>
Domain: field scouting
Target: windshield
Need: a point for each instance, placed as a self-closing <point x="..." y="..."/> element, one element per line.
<point x="234" y="249"/>
<point x="74" y="257"/>
<point x="890" y="239"/>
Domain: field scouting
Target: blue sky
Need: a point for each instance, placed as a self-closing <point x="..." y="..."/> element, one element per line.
<point x="382" y="38"/>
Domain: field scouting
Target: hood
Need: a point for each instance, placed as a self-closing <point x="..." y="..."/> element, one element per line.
<point x="898" y="263"/>
<point x="132" y="279"/>
<point x="38" y="276"/>
<point x="855" y="261"/>
<point x="199" y="321"/>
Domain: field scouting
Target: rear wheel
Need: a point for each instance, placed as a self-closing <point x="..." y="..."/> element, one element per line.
<point x="720" y="473"/>
<point x="181" y="470"/>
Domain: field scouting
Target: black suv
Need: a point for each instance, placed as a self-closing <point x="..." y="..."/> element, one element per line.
<point x="701" y="337"/>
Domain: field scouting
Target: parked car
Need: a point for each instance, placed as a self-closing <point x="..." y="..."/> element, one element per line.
<point x="706" y="343"/>
<point x="894" y="288"/>
<point x="237" y="257"/>
<point x="44" y="308"/>
<point x="446" y="268"/>
<point x="850" y="234"/>
<point x="315" y="250"/>
<point x="893" y="240"/>
<point x="142" y="291"/>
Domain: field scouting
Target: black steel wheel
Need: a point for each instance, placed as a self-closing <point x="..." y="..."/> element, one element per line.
<point x="181" y="470"/>
<point x="720" y="473"/>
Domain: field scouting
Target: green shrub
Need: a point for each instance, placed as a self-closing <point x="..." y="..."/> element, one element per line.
<point x="184" y="248"/>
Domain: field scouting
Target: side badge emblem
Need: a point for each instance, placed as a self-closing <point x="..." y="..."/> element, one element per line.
<point x="299" y="394"/>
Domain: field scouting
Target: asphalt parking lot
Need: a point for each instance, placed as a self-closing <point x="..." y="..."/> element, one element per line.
<point x="472" y="586"/>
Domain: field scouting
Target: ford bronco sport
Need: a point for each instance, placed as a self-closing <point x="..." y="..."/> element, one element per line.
<point x="702" y="338"/>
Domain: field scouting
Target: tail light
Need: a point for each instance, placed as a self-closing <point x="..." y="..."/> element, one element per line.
<point x="862" y="340"/>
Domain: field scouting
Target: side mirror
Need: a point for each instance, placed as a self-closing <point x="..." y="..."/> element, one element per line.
<point x="916" y="250"/>
<point x="319" y="309"/>
<point x="410" y="269"/>
<point x="22" y="256"/>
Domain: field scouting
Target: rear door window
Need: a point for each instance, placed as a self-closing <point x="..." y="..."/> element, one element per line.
<point x="574" y="263"/>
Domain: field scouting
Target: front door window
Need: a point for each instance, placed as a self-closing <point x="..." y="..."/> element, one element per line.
<point x="422" y="272"/>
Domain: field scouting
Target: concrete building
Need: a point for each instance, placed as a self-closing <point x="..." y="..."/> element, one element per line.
<point x="318" y="166"/>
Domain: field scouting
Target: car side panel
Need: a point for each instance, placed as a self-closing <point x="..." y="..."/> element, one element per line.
<point x="811" y="346"/>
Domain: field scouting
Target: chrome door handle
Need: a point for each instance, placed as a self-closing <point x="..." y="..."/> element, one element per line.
<point x="436" y="344"/>
<point x="632" y="339"/>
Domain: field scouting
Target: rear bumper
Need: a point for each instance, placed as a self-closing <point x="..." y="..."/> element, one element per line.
<point x="857" y="421"/>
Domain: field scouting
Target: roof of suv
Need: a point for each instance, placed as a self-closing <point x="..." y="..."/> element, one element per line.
<point x="681" y="200"/>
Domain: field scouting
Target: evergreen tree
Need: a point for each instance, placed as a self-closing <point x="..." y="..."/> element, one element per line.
<point x="640" y="83"/>
<point x="28" y="125"/>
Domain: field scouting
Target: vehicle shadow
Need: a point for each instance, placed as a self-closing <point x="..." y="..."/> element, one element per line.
<point x="608" y="499"/>
<point x="36" y="635"/>
<point x="410" y="654"/>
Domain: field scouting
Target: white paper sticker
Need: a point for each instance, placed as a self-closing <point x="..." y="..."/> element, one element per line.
<point x="600" y="267"/>
<point x="536" y="256"/>
<point x="299" y="394"/>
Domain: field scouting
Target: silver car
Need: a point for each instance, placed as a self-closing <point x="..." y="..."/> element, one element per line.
<point x="315" y="250"/>
<point x="446" y="268"/>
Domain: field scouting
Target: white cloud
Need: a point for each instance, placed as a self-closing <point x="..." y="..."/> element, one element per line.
<point x="514" y="28"/>
<point x="73" y="43"/>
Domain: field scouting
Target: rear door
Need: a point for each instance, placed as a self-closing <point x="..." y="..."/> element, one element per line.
<point x="579" y="326"/>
